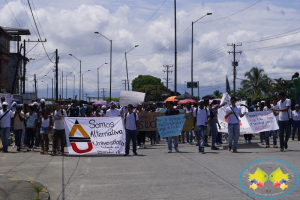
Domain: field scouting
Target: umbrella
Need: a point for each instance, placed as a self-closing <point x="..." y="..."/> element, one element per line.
<point x="187" y="100"/>
<point x="117" y="103"/>
<point x="185" y="96"/>
<point x="209" y="97"/>
<point x="100" y="103"/>
<point x="172" y="98"/>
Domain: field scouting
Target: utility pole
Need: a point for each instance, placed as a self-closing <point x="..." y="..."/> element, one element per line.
<point x="62" y="84"/>
<point x="234" y="63"/>
<point x="35" y="86"/>
<point x="103" y="93"/>
<point x="167" y="71"/>
<point x="56" y="74"/>
<point x="124" y="83"/>
<point x="198" y="90"/>
<point x="175" y="73"/>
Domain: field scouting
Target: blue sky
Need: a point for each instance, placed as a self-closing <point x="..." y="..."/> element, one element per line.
<point x="69" y="26"/>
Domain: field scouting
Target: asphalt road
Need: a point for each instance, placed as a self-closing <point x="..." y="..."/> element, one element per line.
<point x="154" y="174"/>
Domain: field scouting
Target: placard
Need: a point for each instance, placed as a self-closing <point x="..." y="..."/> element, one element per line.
<point x="130" y="97"/>
<point x="169" y="126"/>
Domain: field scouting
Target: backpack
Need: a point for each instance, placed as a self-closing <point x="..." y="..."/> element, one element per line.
<point x="133" y="114"/>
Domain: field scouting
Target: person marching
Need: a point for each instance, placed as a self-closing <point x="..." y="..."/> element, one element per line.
<point x="268" y="107"/>
<point x="5" y="124"/>
<point x="46" y="124"/>
<point x="296" y="122"/>
<point x="232" y="113"/>
<point x="31" y="125"/>
<point x="172" y="111"/>
<point x="189" y="134"/>
<point x="131" y="121"/>
<point x="18" y="125"/>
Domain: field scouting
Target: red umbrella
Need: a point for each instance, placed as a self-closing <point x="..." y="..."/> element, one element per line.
<point x="187" y="100"/>
<point x="97" y="103"/>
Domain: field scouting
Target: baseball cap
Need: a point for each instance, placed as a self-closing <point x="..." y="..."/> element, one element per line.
<point x="104" y="107"/>
<point x="112" y="103"/>
<point x="14" y="104"/>
<point x="297" y="105"/>
<point x="42" y="101"/>
<point x="5" y="103"/>
<point x="35" y="104"/>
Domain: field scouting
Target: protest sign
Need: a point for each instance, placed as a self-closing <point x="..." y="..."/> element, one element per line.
<point x="262" y="121"/>
<point x="225" y="99"/>
<point x="130" y="97"/>
<point x="148" y="121"/>
<point x="169" y="126"/>
<point x="95" y="135"/>
<point x="189" y="122"/>
<point x="8" y="98"/>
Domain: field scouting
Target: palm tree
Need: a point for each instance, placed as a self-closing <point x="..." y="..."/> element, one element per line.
<point x="218" y="94"/>
<point x="257" y="82"/>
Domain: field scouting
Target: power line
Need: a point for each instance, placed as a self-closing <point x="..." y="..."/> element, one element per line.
<point x="38" y="31"/>
<point x="29" y="18"/>
<point x="38" y="18"/>
<point x="13" y="13"/>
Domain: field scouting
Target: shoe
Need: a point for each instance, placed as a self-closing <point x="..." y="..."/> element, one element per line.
<point x="281" y="149"/>
<point x="214" y="148"/>
<point x="293" y="138"/>
<point x="206" y="145"/>
<point x="262" y="143"/>
<point x="275" y="146"/>
<point x="126" y="154"/>
<point x="229" y="148"/>
<point x="245" y="141"/>
<point x="218" y="143"/>
<point x="177" y="150"/>
<point x="144" y="146"/>
<point x="28" y="149"/>
<point x="18" y="149"/>
<point x="139" y="147"/>
<point x="197" y="144"/>
<point x="34" y="147"/>
<point x="285" y="145"/>
<point x="5" y="151"/>
<point x="234" y="151"/>
<point x="267" y="146"/>
<point x="191" y="143"/>
<point x="170" y="151"/>
<point x="134" y="153"/>
<point x="187" y="143"/>
<point x="249" y="141"/>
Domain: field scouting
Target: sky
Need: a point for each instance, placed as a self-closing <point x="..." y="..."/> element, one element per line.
<point x="267" y="30"/>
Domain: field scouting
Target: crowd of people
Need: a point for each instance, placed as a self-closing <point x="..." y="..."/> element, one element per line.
<point x="33" y="126"/>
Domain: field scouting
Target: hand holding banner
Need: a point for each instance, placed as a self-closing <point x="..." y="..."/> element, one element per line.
<point x="169" y="126"/>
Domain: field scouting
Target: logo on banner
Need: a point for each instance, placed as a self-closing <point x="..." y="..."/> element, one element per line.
<point x="86" y="138"/>
<point x="269" y="179"/>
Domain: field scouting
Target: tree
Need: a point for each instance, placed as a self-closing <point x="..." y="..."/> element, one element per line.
<point x="227" y="85"/>
<point x="153" y="92"/>
<point x="145" y="80"/>
<point x="218" y="94"/>
<point x="117" y="99"/>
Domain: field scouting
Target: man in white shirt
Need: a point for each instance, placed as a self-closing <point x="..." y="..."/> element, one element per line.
<point x="296" y="122"/>
<point x="284" y="109"/>
<point x="5" y="124"/>
<point x="2" y="101"/>
<point x="131" y="121"/>
<point x="189" y="133"/>
<point x="112" y="112"/>
<point x="268" y="107"/>
<point x="201" y="119"/>
<point x="232" y="113"/>
<point x="59" y="129"/>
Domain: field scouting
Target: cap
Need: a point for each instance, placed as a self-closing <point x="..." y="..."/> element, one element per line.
<point x="14" y="104"/>
<point x="104" y="107"/>
<point x="35" y="104"/>
<point x="112" y="103"/>
<point x="4" y="104"/>
<point x="297" y="105"/>
<point x="42" y="101"/>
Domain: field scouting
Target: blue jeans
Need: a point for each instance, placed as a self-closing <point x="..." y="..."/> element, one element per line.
<point x="296" y="125"/>
<point x="130" y="135"/>
<point x="261" y="136"/>
<point x="175" y="140"/>
<point x="189" y="136"/>
<point x="274" y="137"/>
<point x="234" y="131"/>
<point x="214" y="132"/>
<point x="267" y="137"/>
<point x="18" y="137"/>
<point x="297" y="97"/>
<point x="284" y="125"/>
<point x="5" y="137"/>
<point x="201" y="132"/>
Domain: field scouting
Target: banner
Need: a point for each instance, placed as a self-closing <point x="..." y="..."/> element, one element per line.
<point x="262" y="121"/>
<point x="95" y="135"/>
<point x="225" y="99"/>
<point x="130" y="97"/>
<point x="8" y="98"/>
<point x="169" y="126"/>
<point x="148" y="121"/>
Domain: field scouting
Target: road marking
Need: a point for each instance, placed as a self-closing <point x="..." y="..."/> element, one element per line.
<point x="13" y="179"/>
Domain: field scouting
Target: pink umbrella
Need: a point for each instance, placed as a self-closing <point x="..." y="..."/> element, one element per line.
<point x="100" y="103"/>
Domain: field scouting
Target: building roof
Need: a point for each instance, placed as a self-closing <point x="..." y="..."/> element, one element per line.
<point x="16" y="31"/>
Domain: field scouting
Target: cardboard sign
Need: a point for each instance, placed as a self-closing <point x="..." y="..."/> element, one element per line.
<point x="130" y="97"/>
<point x="148" y="120"/>
<point x="169" y="126"/>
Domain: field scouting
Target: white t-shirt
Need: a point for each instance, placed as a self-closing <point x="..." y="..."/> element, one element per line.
<point x="276" y="107"/>
<point x="188" y="111"/>
<point x="130" y="122"/>
<point x="58" y="120"/>
<point x="202" y="116"/>
<point x="6" y="120"/>
<point x="113" y="113"/>
<point x="296" y="115"/>
<point x="268" y="109"/>
<point x="284" y="116"/>
<point x="232" y="119"/>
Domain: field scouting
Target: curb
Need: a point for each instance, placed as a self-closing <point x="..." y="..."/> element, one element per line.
<point x="44" y="194"/>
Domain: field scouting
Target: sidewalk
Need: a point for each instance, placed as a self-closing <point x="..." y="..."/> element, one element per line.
<point x="13" y="188"/>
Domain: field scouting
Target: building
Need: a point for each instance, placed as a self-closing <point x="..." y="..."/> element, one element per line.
<point x="5" y="39"/>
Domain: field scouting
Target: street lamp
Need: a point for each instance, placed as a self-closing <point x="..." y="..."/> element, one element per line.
<point x="192" y="53"/>
<point x="82" y="82"/>
<point x="126" y="65"/>
<point x="98" y="78"/>
<point x="52" y="84"/>
<point x="110" y="63"/>
<point x="47" y="88"/>
<point x="74" y="86"/>
<point x="67" y="84"/>
<point x="79" y="76"/>
<point x="62" y="84"/>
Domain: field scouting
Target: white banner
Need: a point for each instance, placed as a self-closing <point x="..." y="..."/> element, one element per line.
<point x="262" y="121"/>
<point x="130" y="97"/>
<point x="95" y="135"/>
<point x="8" y="98"/>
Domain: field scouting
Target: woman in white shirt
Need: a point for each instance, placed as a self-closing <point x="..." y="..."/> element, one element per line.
<point x="296" y="123"/>
<point x="45" y="127"/>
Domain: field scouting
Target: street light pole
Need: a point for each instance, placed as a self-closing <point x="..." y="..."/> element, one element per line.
<point x="98" y="79"/>
<point x="79" y="76"/>
<point x="192" y="54"/>
<point x="52" y="84"/>
<point x="110" y="76"/>
<point x="67" y="85"/>
<point x="126" y="65"/>
<point x="47" y="88"/>
<point x="82" y="82"/>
